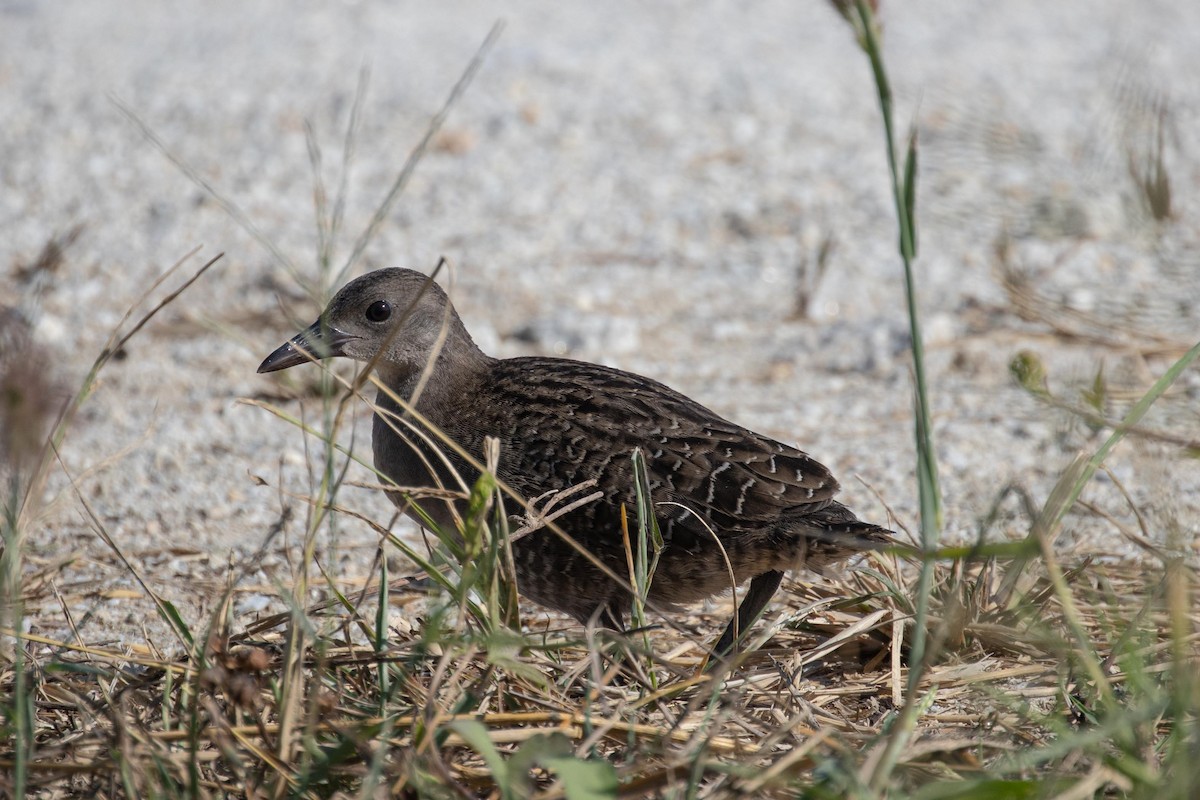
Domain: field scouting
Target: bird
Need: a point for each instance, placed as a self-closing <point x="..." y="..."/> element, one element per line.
<point x="732" y="505"/>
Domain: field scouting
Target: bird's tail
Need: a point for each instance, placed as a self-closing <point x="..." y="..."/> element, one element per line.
<point x="834" y="533"/>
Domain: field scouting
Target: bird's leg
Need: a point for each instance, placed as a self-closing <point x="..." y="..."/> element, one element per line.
<point x="762" y="589"/>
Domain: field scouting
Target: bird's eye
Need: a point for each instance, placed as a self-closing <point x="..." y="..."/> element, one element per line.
<point x="379" y="311"/>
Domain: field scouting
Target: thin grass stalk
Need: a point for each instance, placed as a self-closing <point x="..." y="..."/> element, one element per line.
<point x="332" y="474"/>
<point x="191" y="697"/>
<point x="648" y="548"/>
<point x="927" y="479"/>
<point x="650" y="541"/>
<point x="166" y="609"/>
<point x="348" y="146"/>
<point x="414" y="157"/>
<point x="329" y="221"/>
<point x="929" y="493"/>
<point x="904" y="194"/>
<point x="320" y="196"/>
<point x="381" y="634"/>
<point x="22" y="714"/>
<point x="503" y="581"/>
<point x="19" y="706"/>
<point x="227" y="205"/>
<point x="1183" y="745"/>
<point x="331" y="411"/>
<point x="375" y="766"/>
<point x="510" y="600"/>
<point x="116" y="341"/>
<point x="478" y="573"/>
<point x="291" y="684"/>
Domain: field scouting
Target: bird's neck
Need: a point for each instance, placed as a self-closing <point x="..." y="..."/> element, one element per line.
<point x="434" y="389"/>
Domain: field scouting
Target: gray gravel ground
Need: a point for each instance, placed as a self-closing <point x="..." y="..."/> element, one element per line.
<point x="643" y="184"/>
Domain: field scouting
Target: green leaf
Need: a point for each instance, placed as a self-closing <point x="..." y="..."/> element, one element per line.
<point x="539" y="749"/>
<point x="176" y="621"/>
<point x="991" y="790"/>
<point x="504" y="649"/>
<point x="585" y="780"/>
<point x="476" y="736"/>
<point x="581" y="779"/>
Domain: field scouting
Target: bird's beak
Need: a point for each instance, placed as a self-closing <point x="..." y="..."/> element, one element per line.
<point x="318" y="340"/>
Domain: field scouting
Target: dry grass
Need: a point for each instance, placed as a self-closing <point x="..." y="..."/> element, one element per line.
<point x="810" y="706"/>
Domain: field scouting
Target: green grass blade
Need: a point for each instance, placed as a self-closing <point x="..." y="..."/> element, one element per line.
<point x="910" y="192"/>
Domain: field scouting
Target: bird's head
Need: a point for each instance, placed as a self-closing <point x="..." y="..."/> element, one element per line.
<point x="399" y="311"/>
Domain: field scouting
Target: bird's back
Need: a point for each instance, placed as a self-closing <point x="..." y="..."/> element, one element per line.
<point x="561" y="422"/>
